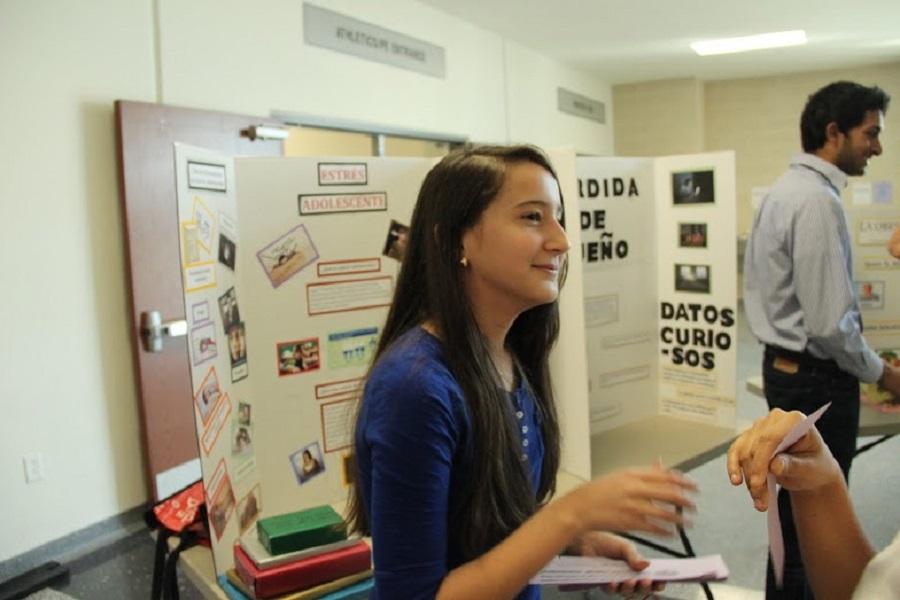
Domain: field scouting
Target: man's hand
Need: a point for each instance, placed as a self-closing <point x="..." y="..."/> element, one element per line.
<point x="890" y="379"/>
<point x="893" y="244"/>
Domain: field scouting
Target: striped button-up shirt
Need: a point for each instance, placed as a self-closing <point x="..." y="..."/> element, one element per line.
<point x="798" y="272"/>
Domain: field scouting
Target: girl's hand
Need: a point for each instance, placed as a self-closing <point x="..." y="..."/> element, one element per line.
<point x="647" y="499"/>
<point x="598" y="543"/>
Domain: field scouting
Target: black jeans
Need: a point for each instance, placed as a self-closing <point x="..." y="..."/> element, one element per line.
<point x="814" y="383"/>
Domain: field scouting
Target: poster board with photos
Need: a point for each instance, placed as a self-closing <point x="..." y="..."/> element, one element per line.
<point x="654" y="231"/>
<point x="872" y="218"/>
<point x="287" y="282"/>
<point x="224" y="403"/>
<point x="696" y="233"/>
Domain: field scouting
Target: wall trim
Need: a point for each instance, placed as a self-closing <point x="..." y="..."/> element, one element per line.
<point x="77" y="545"/>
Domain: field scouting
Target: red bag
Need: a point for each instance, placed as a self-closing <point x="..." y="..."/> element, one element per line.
<point x="179" y="511"/>
<point x="182" y="515"/>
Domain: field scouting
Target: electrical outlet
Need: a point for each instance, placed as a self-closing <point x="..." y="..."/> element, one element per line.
<point x="34" y="467"/>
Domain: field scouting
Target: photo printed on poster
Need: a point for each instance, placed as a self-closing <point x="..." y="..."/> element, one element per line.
<point x="228" y="309"/>
<point x="208" y="394"/>
<point x="693" y="187"/>
<point x="237" y="351"/>
<point x="203" y="340"/>
<point x="692" y="278"/>
<point x="227" y="251"/>
<point x="692" y="235"/>
<point x="870" y="294"/>
<point x="307" y="462"/>
<point x="287" y="255"/>
<point x="297" y="356"/>
<point x="249" y="508"/>
<point x="395" y="241"/>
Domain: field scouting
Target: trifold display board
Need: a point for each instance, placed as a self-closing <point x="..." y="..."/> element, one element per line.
<point x="290" y="264"/>
<point x="872" y="219"/>
<point x="289" y="267"/>
<point x="659" y="267"/>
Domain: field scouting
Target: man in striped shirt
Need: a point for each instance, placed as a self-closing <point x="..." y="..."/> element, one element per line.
<point x="799" y="294"/>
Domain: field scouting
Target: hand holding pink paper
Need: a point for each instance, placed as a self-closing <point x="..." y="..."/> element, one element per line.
<point x="750" y="459"/>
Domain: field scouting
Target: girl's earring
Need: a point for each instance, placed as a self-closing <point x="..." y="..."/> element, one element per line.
<point x="464" y="262"/>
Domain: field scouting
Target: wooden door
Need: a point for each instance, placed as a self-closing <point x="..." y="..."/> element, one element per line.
<point x="145" y="135"/>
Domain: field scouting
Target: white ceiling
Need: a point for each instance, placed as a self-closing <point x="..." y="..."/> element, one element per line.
<point x="625" y="41"/>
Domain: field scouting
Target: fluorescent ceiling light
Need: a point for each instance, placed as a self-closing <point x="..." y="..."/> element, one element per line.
<point x="778" y="39"/>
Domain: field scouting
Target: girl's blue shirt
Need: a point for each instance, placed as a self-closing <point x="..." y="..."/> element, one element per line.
<point x="413" y="448"/>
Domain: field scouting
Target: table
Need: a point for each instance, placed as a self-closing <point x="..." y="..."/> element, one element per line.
<point x="871" y="421"/>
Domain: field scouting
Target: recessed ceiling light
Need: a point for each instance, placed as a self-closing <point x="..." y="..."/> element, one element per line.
<point x="778" y="39"/>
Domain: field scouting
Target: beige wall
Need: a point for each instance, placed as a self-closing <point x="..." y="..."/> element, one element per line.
<point x="757" y="118"/>
<point x="658" y="118"/>
<point x="66" y="381"/>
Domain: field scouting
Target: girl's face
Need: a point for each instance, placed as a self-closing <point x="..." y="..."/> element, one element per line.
<point x="237" y="343"/>
<point x="515" y="250"/>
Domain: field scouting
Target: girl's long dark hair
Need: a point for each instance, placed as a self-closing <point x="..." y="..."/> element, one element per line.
<point x="430" y="287"/>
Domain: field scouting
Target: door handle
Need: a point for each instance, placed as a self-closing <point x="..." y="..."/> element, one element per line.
<point x="154" y="331"/>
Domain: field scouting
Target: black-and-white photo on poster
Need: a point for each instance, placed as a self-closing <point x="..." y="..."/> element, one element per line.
<point x="692" y="278"/>
<point x="693" y="187"/>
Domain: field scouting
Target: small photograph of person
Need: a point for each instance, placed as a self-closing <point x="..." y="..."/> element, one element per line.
<point x="228" y="308"/>
<point x="237" y="352"/>
<point x="221" y="509"/>
<point x="287" y="364"/>
<point x="692" y="278"/>
<point x="203" y="341"/>
<point x="208" y="397"/>
<point x="307" y="462"/>
<point x="396" y="240"/>
<point x="241" y="442"/>
<point x="692" y="235"/>
<point x="237" y="344"/>
<point x="870" y="294"/>
<point x="243" y="413"/>
<point x="692" y="187"/>
<point x="248" y="509"/>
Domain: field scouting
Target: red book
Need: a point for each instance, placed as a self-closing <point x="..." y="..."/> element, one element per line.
<point x="303" y="573"/>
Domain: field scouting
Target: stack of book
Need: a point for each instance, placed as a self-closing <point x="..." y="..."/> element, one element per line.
<point x="300" y="556"/>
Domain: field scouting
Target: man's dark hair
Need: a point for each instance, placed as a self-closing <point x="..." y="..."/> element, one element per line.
<point x="844" y="102"/>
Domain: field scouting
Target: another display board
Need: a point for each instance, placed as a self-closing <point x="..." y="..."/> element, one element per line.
<point x="659" y="257"/>
<point x="872" y="219"/>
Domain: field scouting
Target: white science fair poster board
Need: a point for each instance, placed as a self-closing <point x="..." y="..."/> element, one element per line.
<point x="659" y="264"/>
<point x="288" y="270"/>
<point x="872" y="218"/>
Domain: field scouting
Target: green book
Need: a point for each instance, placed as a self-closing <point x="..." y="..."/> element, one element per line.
<point x="300" y="530"/>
